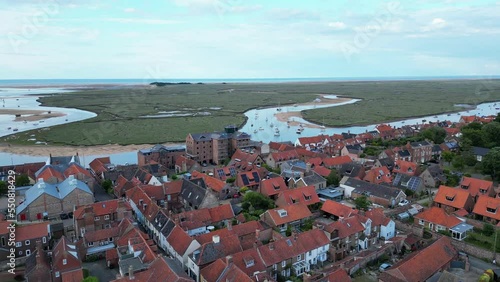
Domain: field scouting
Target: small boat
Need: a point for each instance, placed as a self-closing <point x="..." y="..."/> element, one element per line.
<point x="261" y="128"/>
<point x="35" y="124"/>
<point x="288" y="126"/>
<point x="266" y="119"/>
<point x="298" y="131"/>
<point x="25" y="122"/>
<point x="277" y="133"/>
<point x="435" y="116"/>
<point x="271" y="124"/>
<point x="448" y="114"/>
<point x="15" y="129"/>
<point x="251" y="125"/>
<point x="41" y="121"/>
<point x="424" y="120"/>
<point x="276" y="130"/>
<point x="295" y="105"/>
<point x="9" y="128"/>
<point x="66" y="120"/>
<point x="255" y="131"/>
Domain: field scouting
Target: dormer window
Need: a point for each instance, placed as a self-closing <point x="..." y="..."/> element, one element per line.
<point x="276" y="187"/>
<point x="410" y="169"/>
<point x="464" y="187"/>
<point x="249" y="262"/>
<point x="450" y="198"/>
<point x="482" y="191"/>
<point x="308" y="197"/>
<point x="491" y="210"/>
<point x="282" y="213"/>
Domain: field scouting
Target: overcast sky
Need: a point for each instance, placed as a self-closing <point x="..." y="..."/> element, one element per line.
<point x="247" y="38"/>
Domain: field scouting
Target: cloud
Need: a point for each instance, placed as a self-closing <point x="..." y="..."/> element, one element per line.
<point x="337" y="25"/>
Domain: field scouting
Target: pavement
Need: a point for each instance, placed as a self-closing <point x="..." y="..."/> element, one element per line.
<point x="100" y="270"/>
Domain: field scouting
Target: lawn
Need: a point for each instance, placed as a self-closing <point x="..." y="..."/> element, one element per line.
<point x="119" y="111"/>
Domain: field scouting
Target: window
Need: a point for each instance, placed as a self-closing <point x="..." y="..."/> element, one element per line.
<point x="169" y="197"/>
<point x="299" y="257"/>
<point x="20" y="253"/>
<point x="106" y="217"/>
<point x="97" y="218"/>
<point x="421" y="222"/>
<point x="19" y="244"/>
<point x="283" y="273"/>
<point x="283" y="263"/>
<point x="3" y="241"/>
<point x="44" y="240"/>
<point x="91" y="244"/>
<point x="65" y="261"/>
<point x="28" y="252"/>
<point x="275" y="266"/>
<point x="27" y="242"/>
<point x="57" y="274"/>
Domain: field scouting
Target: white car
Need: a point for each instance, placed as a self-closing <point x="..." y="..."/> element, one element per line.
<point x="403" y="203"/>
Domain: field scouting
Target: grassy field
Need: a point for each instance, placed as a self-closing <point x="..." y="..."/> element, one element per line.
<point x="119" y="110"/>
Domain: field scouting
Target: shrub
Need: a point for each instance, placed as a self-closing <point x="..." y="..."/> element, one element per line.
<point x="488" y="229"/>
<point x="85" y="273"/>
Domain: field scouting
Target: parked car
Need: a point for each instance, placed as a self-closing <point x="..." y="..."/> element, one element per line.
<point x="384" y="266"/>
<point x="403" y="203"/>
<point x="64" y="216"/>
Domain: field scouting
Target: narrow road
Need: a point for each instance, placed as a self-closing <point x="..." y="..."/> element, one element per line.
<point x="481" y="264"/>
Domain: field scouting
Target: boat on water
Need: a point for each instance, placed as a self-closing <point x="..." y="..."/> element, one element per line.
<point x="15" y="129"/>
<point x="276" y="134"/>
<point x="271" y="125"/>
<point x="255" y="131"/>
<point x="435" y="116"/>
<point x="298" y="131"/>
<point x="261" y="128"/>
<point x="35" y="124"/>
<point x="9" y="128"/>
<point x="41" y="121"/>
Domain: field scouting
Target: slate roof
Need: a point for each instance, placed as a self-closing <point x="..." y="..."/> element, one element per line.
<point x="479" y="151"/>
<point x="312" y="178"/>
<point x="381" y="191"/>
<point x="212" y="251"/>
<point x="59" y="191"/>
<point x="193" y="191"/>
<point x="351" y="169"/>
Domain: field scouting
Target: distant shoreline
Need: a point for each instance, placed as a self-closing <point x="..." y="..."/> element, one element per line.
<point x="82" y="84"/>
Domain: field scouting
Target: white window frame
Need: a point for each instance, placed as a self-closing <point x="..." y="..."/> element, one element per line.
<point x="283" y="263"/>
<point x="44" y="240"/>
<point x="97" y="218"/>
<point x="299" y="257"/>
<point x="106" y="217"/>
<point x="19" y="244"/>
<point x="58" y="274"/>
<point x="20" y="253"/>
<point x="275" y="266"/>
<point x="27" y="242"/>
<point x="28" y="252"/>
<point x="65" y="261"/>
<point x="90" y="244"/>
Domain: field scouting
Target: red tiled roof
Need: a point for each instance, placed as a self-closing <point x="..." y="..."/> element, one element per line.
<point x="249" y="175"/>
<point x="180" y="160"/>
<point x="468" y="119"/>
<point x="101" y="234"/>
<point x="405" y="167"/>
<point x="346" y="226"/>
<point x="337" y="161"/>
<point x="461" y="213"/>
<point x="423" y="264"/>
<point x="303" y="195"/>
<point x="159" y="270"/>
<point x="312" y="140"/>
<point x="179" y="240"/>
<point x="293" y="213"/>
<point x="173" y="187"/>
<point x="384" y="128"/>
<point x="98" y="165"/>
<point x="321" y="170"/>
<point x="487" y="207"/>
<point x="211" y="251"/>
<point x="194" y="219"/>
<point x="339" y="275"/>
<point x="439" y="217"/>
<point x="290" y="247"/>
<point x="285" y="156"/>
<point x="211" y="182"/>
<point x="454" y="197"/>
<point x="220" y="213"/>
<point x="474" y="185"/>
<point x="272" y="186"/>
<point x="32" y="231"/>
<point x="101" y="208"/>
<point x="65" y="252"/>
<point x="75" y="169"/>
<point x="378" y="175"/>
<point x="244" y="259"/>
<point x="153" y="191"/>
<point x="316" y="161"/>
<point x="49" y="172"/>
<point x="244" y="156"/>
<point x="275" y="146"/>
<point x="337" y="209"/>
<point x="378" y="217"/>
<point x="213" y="271"/>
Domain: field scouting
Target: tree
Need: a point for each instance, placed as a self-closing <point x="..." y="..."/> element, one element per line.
<point x="107" y="185"/>
<point x="458" y="162"/>
<point x="90" y="279"/>
<point x="488" y="229"/>
<point x="448" y="156"/>
<point x="490" y="133"/>
<point x="362" y="203"/>
<point x="22" y="180"/>
<point x="436" y="134"/>
<point x="257" y="201"/>
<point x="491" y="163"/>
<point x="3" y="188"/>
<point x="230" y="180"/>
<point x="333" y="178"/>
<point x="473" y="133"/>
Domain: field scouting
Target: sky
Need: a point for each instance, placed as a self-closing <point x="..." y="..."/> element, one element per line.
<point x="148" y="39"/>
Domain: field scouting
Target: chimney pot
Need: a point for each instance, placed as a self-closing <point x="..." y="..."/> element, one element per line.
<point x="229" y="259"/>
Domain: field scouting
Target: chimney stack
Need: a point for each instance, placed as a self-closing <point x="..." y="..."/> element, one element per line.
<point x="216" y="239"/>
<point x="257" y="234"/>
<point x="308" y="167"/>
<point x="229" y="260"/>
<point x="229" y="225"/>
